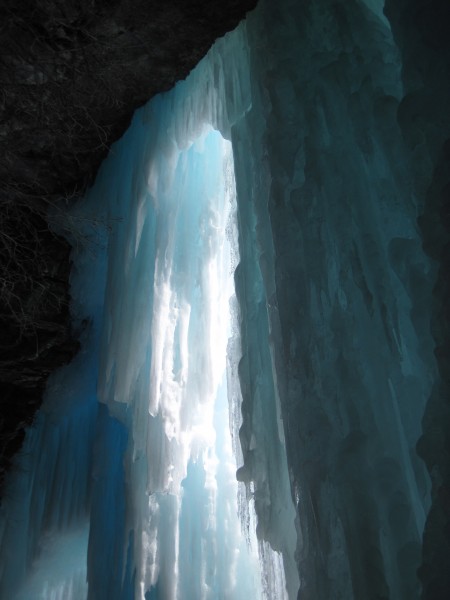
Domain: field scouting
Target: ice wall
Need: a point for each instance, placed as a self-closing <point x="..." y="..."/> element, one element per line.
<point x="331" y="246"/>
<point x="330" y="357"/>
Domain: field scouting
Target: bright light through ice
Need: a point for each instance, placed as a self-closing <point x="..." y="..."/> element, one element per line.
<point x="193" y="284"/>
<point x="192" y="487"/>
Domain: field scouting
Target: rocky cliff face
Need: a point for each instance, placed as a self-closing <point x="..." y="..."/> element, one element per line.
<point x="71" y="76"/>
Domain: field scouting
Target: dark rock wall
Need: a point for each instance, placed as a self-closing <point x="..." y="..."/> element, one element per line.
<point x="34" y="320"/>
<point x="421" y="29"/>
<point x="71" y="75"/>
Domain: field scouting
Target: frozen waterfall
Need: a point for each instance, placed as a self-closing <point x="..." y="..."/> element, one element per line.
<point x="253" y="303"/>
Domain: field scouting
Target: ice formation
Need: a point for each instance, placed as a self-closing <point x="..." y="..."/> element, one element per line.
<point x="242" y="419"/>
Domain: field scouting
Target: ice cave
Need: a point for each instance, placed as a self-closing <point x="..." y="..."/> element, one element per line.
<point x="253" y="286"/>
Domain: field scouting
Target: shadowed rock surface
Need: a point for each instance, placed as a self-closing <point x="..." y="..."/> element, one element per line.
<point x="420" y="28"/>
<point x="71" y="76"/>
